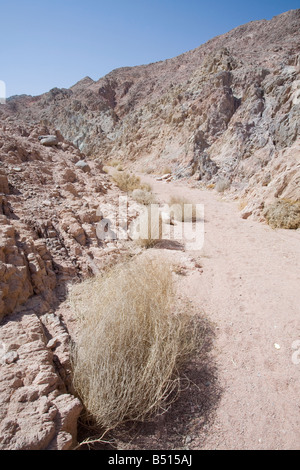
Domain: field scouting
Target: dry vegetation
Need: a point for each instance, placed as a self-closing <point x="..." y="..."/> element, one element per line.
<point x="283" y="214"/>
<point x="166" y="170"/>
<point x="128" y="182"/>
<point x="131" y="344"/>
<point x="114" y="163"/>
<point x="144" y="197"/>
<point x="149" y="170"/>
<point x="182" y="209"/>
<point x="148" y="228"/>
<point x="222" y="184"/>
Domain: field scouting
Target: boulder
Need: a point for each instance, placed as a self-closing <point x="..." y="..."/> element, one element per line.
<point x="68" y="176"/>
<point x="48" y="140"/>
<point x="164" y="177"/>
<point x="82" y="165"/>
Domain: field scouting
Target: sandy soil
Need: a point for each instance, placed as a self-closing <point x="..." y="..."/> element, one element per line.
<point x="244" y="387"/>
<point x="249" y="288"/>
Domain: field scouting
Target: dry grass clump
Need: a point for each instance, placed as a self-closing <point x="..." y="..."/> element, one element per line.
<point x="222" y="184"/>
<point x="129" y="182"/>
<point x="146" y="187"/>
<point x="283" y="214"/>
<point x="130" y="344"/>
<point x="144" y="197"/>
<point x="126" y="181"/>
<point x="166" y="170"/>
<point x="242" y="204"/>
<point x="114" y="163"/>
<point x="147" y="229"/>
<point x="182" y="209"/>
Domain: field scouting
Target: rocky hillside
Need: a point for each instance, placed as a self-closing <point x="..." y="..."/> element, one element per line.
<point x="228" y="109"/>
<point x="51" y="197"/>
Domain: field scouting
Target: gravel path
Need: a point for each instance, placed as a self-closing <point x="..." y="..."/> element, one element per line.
<point x="250" y="290"/>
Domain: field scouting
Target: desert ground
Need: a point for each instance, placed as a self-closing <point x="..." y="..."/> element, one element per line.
<point x="249" y="289"/>
<point x="244" y="387"/>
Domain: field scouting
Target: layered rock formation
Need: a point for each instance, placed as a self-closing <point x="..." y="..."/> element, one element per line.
<point x="49" y="210"/>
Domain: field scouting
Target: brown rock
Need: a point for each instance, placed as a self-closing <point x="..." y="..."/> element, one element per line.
<point x="3" y="183"/>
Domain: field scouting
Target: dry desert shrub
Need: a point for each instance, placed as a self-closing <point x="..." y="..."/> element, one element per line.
<point x="166" y="170"/>
<point x="222" y="184"/>
<point x="114" y="163"/>
<point x="131" y="344"/>
<point x="128" y="182"/>
<point x="148" y="227"/>
<point x="182" y="209"/>
<point x="242" y="204"/>
<point x="144" y="197"/>
<point x="283" y="214"/>
<point x="146" y="187"/>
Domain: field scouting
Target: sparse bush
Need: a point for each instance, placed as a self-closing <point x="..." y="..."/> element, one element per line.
<point x="146" y="187"/>
<point x="166" y="170"/>
<point x="222" y="185"/>
<point x="114" y="163"/>
<point x="147" y="229"/>
<point x="242" y="204"/>
<point x="144" y="197"/>
<point x="182" y="209"/>
<point x="283" y="214"/>
<point x="131" y="344"/>
<point x="126" y="181"/>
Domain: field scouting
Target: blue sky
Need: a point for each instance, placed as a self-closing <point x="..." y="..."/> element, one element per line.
<point x="45" y="43"/>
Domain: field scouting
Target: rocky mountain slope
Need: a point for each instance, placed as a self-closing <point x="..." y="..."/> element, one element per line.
<point x="226" y="110"/>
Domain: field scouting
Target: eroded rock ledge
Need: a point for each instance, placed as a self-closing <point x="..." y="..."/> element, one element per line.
<point x="48" y="221"/>
<point x="37" y="412"/>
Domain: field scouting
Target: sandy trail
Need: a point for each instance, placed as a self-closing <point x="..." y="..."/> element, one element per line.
<point x="250" y="290"/>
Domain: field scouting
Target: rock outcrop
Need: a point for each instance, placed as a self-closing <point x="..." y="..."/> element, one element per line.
<point x="37" y="412"/>
<point x="48" y="218"/>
